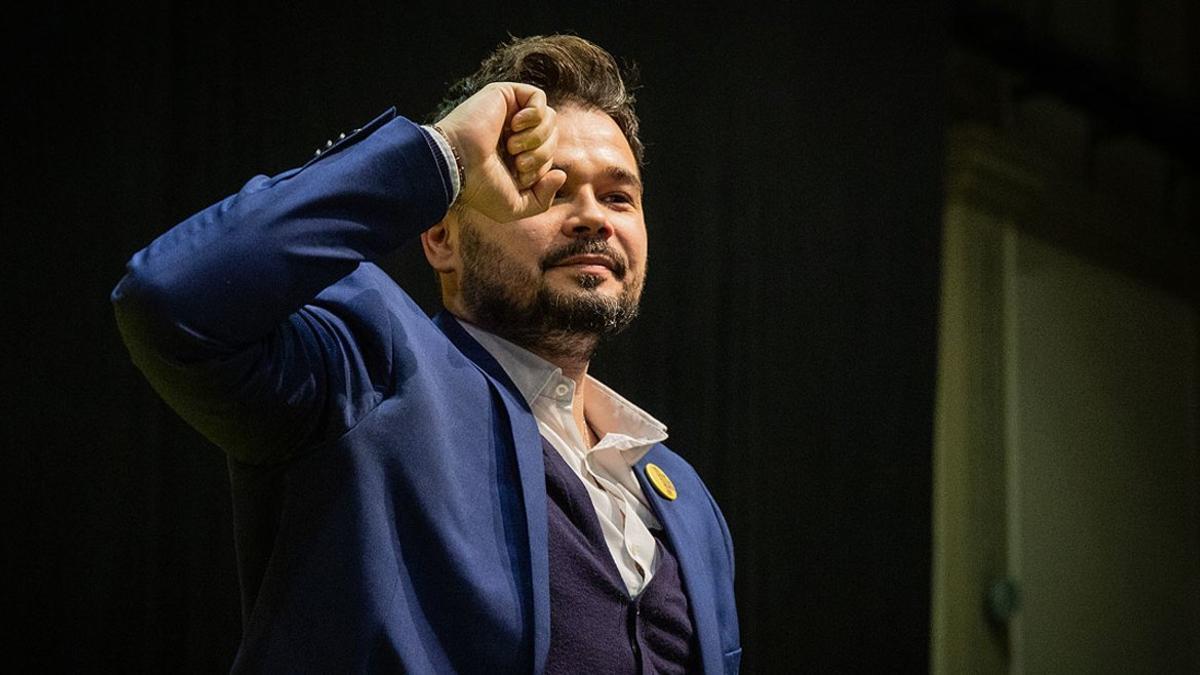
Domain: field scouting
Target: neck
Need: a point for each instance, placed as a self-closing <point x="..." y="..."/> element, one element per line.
<point x="571" y="352"/>
<point x="573" y="366"/>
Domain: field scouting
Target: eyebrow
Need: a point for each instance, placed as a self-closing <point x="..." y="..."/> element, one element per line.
<point x="613" y="172"/>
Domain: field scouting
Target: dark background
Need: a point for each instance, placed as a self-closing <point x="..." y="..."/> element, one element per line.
<point x="788" y="335"/>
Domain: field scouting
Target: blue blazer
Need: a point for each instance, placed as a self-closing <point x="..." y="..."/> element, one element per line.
<point x="389" y="492"/>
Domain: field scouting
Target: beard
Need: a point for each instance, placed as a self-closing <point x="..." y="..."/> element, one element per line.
<point x="509" y="299"/>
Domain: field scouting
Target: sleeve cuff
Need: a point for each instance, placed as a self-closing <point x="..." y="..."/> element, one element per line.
<point x="448" y="163"/>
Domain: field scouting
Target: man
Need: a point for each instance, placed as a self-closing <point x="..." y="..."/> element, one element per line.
<point x="454" y="494"/>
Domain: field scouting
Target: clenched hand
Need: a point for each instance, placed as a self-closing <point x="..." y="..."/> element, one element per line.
<point x="506" y="136"/>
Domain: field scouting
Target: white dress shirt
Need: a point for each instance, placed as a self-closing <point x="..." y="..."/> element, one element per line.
<point x="626" y="433"/>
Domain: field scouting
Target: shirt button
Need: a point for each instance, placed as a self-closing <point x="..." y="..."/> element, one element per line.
<point x="561" y="390"/>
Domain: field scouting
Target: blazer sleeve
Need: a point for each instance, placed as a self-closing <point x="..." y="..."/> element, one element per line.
<point x="216" y="311"/>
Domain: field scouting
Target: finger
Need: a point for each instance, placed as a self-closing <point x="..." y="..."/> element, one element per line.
<point x="528" y="96"/>
<point x="526" y="118"/>
<point x="527" y="103"/>
<point x="526" y="179"/>
<point x="542" y="193"/>
<point x="532" y="139"/>
<point x="537" y="159"/>
<point x="531" y="176"/>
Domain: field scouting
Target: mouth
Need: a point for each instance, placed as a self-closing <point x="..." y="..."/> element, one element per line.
<point x="590" y="264"/>
<point x="588" y="257"/>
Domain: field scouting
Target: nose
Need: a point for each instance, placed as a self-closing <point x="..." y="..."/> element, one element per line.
<point x="588" y="218"/>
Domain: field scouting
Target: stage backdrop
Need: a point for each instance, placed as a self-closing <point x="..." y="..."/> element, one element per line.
<point x="788" y="335"/>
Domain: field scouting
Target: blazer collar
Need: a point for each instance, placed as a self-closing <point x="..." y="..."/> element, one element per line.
<point x="677" y="517"/>
<point x="531" y="470"/>
<point x="470" y="347"/>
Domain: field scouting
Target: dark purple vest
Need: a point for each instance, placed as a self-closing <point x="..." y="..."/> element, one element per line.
<point x="595" y="627"/>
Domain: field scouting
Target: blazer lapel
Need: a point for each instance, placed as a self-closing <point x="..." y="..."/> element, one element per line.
<point x="527" y="441"/>
<point x="676" y="516"/>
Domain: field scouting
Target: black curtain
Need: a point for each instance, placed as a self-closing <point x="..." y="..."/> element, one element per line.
<point x="788" y="335"/>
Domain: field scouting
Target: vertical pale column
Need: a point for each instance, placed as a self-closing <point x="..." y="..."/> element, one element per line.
<point x="1108" y="472"/>
<point x="969" y="475"/>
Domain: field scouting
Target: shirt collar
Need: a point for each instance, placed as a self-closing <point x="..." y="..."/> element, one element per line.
<point x="530" y="372"/>
<point x="535" y="376"/>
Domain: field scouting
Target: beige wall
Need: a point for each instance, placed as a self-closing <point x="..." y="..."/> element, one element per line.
<point x="1066" y="451"/>
<point x="1107" y="534"/>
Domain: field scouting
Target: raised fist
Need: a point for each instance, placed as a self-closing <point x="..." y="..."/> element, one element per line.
<point x="505" y="135"/>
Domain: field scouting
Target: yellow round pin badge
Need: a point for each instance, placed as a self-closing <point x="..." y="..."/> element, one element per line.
<point x="660" y="481"/>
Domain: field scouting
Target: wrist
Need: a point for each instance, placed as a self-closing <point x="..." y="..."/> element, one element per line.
<point x="458" y="171"/>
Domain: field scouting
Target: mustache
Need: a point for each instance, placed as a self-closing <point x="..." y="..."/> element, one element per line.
<point x="599" y="247"/>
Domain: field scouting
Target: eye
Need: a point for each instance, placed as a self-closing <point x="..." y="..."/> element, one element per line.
<point x="618" y="198"/>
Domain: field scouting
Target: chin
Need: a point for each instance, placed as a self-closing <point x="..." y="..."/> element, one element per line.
<point x="591" y="281"/>
<point x="593" y="284"/>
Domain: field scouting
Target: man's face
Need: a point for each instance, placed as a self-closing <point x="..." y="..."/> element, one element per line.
<point x="574" y="273"/>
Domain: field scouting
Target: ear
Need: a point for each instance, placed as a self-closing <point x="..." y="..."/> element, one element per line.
<point x="441" y="246"/>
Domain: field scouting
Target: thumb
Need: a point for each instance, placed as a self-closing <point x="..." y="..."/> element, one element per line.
<point x="547" y="185"/>
<point x="524" y="96"/>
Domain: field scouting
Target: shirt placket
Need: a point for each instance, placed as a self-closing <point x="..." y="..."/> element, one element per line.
<point x="638" y="543"/>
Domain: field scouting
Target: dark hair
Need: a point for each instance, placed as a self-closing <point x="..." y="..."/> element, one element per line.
<point x="569" y="69"/>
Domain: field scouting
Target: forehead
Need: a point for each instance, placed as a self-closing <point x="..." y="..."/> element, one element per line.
<point x="592" y="137"/>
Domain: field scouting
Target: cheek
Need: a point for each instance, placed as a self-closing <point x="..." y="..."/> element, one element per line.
<point x="520" y="251"/>
<point x="529" y="246"/>
<point x="638" y="251"/>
